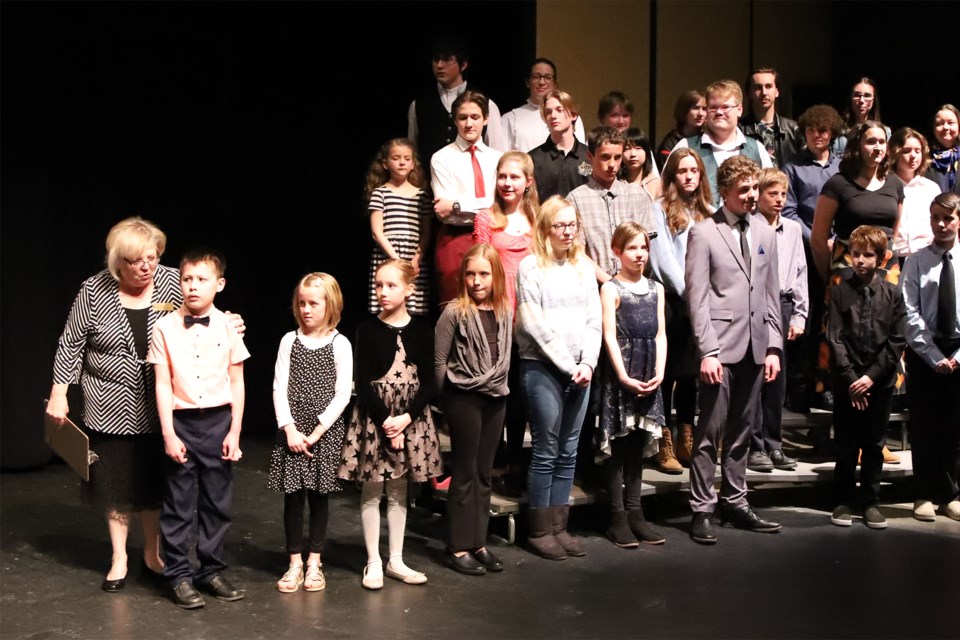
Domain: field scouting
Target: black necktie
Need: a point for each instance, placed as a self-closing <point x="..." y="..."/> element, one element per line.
<point x="189" y="321"/>
<point x="744" y="242"/>
<point x="946" y="298"/>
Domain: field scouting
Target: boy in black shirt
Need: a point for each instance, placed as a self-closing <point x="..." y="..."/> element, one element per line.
<point x="866" y="335"/>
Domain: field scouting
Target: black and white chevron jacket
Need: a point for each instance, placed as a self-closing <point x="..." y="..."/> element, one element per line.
<point x="97" y="350"/>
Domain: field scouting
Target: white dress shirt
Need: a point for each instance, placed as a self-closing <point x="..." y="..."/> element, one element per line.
<point x="452" y="178"/>
<point x="914" y="232"/>
<point x="493" y="136"/>
<point x="921" y="288"/>
<point x="525" y="129"/>
<point x="723" y="151"/>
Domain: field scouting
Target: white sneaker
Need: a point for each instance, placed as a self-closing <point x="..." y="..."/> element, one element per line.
<point x="951" y="509"/>
<point x="923" y="510"/>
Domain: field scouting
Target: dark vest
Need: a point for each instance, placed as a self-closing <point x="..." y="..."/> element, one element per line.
<point x="750" y="149"/>
<point x="435" y="126"/>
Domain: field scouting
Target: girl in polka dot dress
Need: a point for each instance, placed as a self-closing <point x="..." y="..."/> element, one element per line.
<point x="311" y="389"/>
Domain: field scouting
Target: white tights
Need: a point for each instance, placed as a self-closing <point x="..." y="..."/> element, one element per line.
<point x="396" y="518"/>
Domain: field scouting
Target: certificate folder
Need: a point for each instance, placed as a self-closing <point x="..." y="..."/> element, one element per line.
<point x="70" y="443"/>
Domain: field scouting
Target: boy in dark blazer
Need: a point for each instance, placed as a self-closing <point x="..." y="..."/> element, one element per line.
<point x="732" y="290"/>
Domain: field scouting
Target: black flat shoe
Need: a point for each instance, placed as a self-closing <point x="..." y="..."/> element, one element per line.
<point x="112" y="586"/>
<point x="186" y="596"/>
<point x="465" y="564"/>
<point x="221" y="589"/>
<point x="487" y="559"/>
<point x="149" y="573"/>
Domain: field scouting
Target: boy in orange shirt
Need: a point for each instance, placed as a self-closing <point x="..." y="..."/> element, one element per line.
<point x="198" y="361"/>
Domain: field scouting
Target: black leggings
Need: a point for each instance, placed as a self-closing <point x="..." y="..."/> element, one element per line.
<point x="293" y="519"/>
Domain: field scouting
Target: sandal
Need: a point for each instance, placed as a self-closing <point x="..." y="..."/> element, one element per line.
<point x="406" y="575"/>
<point x="291" y="580"/>
<point x="314" y="580"/>
<point x="373" y="578"/>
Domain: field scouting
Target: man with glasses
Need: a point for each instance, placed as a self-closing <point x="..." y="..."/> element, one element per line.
<point x="604" y="202"/>
<point x="429" y="118"/>
<point x="524" y="128"/>
<point x="721" y="138"/>
<point x="778" y="135"/>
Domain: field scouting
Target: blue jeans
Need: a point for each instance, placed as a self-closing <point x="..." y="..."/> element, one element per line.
<point x="556" y="408"/>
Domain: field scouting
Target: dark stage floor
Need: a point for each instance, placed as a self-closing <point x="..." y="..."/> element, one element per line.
<point x="813" y="580"/>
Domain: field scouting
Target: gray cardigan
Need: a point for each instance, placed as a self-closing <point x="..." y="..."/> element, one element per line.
<point x="462" y="355"/>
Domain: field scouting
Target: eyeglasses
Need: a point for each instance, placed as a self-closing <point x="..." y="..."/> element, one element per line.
<point x="862" y="96"/>
<point x="723" y="108"/>
<point x="141" y="262"/>
<point x="560" y="227"/>
<point x="546" y="77"/>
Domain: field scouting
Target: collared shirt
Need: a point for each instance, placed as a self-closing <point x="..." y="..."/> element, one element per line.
<point x="452" y="178"/>
<point x="865" y="330"/>
<point x="914" y="232"/>
<point x="793" y="268"/>
<point x="805" y="178"/>
<point x="493" y="136"/>
<point x="557" y="173"/>
<point x="524" y="128"/>
<point x="602" y="210"/>
<point x="199" y="358"/>
<point x="723" y="151"/>
<point x="921" y="287"/>
<point x="734" y="221"/>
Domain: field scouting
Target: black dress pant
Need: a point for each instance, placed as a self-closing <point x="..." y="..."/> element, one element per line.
<point x="768" y="433"/>
<point x="856" y="431"/>
<point x="934" y="401"/>
<point x="475" y="422"/>
<point x="201" y="486"/>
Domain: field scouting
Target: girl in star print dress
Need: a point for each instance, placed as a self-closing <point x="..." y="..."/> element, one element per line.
<point x="311" y="389"/>
<point x="391" y="438"/>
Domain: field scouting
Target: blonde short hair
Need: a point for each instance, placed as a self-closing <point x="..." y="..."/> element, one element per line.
<point x="543" y="227"/>
<point x="331" y="295"/>
<point x="129" y="239"/>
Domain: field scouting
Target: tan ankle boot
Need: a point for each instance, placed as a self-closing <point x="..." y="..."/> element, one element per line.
<point x="685" y="444"/>
<point x="666" y="460"/>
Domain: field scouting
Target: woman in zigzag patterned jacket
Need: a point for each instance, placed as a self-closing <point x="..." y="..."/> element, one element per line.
<point x="103" y="348"/>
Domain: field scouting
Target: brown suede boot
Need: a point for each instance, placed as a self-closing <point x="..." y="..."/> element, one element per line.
<point x="666" y="460"/>
<point x="540" y="539"/>
<point x="685" y="444"/>
<point x="571" y="545"/>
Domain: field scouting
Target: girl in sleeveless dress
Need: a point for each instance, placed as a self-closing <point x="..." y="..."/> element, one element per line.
<point x="631" y="416"/>
<point x="400" y="215"/>
<point x="391" y="438"/>
<point x="311" y="389"/>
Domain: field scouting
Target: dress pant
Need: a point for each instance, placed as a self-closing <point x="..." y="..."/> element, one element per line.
<point x="201" y="486"/>
<point x="768" y="433"/>
<point x="855" y="432"/>
<point x="728" y="413"/>
<point x="934" y="401"/>
<point x="475" y="421"/>
<point x="556" y="407"/>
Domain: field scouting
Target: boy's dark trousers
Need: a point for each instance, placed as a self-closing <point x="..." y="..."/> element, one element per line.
<point x="203" y="484"/>
<point x="856" y="431"/>
<point x="934" y="401"/>
<point x="768" y="432"/>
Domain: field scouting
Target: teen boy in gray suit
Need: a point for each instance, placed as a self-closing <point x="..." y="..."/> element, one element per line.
<point x="732" y="289"/>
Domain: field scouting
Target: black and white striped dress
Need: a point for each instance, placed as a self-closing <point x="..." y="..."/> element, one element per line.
<point x="98" y="350"/>
<point x="402" y="221"/>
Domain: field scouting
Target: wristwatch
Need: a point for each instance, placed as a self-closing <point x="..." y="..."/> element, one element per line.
<point x="456" y="208"/>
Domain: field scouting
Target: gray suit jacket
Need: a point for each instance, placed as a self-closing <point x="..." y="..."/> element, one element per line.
<point x="731" y="310"/>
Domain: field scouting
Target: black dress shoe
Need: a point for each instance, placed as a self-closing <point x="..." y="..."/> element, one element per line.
<point x="465" y="564"/>
<point x="487" y="559"/>
<point x="745" y="518"/>
<point x="701" y="529"/>
<point x="186" y="596"/>
<point x="781" y="461"/>
<point x="112" y="586"/>
<point x="758" y="461"/>
<point x="221" y="589"/>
